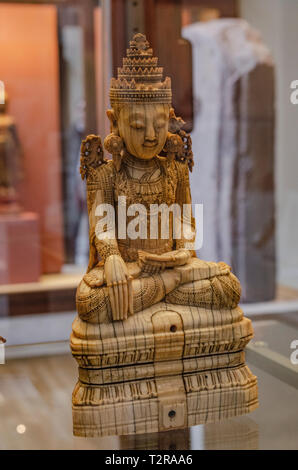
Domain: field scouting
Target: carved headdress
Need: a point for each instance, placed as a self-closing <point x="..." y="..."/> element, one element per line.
<point x="140" y="79"/>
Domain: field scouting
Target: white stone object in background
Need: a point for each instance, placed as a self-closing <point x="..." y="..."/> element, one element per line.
<point x="233" y="141"/>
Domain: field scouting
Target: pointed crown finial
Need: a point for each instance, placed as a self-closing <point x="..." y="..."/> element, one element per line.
<point x="140" y="79"/>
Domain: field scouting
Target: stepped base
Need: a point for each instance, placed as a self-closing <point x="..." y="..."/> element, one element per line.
<point x="164" y="332"/>
<point x="163" y="403"/>
<point x="167" y="367"/>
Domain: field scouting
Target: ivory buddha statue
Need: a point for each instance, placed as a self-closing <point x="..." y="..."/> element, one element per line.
<point x="150" y="166"/>
<point x="159" y="335"/>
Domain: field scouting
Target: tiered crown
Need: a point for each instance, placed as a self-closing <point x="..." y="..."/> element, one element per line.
<point x="140" y="79"/>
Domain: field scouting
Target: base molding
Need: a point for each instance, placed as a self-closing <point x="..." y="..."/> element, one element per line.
<point x="163" y="403"/>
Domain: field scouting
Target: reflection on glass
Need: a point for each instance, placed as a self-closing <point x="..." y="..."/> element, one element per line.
<point x="162" y="403"/>
<point x="234" y="434"/>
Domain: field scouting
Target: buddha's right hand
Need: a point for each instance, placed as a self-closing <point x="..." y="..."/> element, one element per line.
<point x="119" y="284"/>
<point x="152" y="263"/>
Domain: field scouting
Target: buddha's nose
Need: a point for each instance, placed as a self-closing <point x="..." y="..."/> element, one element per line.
<point x="150" y="132"/>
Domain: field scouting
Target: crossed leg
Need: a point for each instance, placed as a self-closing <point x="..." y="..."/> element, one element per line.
<point x="199" y="283"/>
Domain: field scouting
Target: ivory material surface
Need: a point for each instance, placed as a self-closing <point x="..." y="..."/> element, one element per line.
<point x="161" y="332"/>
<point x="156" y="326"/>
<point x="163" y="403"/>
<point x="116" y="374"/>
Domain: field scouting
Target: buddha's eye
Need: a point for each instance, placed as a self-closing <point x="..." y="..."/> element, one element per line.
<point x="137" y="125"/>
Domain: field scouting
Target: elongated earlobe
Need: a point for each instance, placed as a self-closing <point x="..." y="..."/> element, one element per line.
<point x="113" y="121"/>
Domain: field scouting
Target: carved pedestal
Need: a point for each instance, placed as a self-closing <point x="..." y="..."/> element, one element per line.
<point x="167" y="367"/>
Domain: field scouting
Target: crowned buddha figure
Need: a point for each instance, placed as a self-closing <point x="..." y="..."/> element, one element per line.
<point x="139" y="195"/>
<point x="159" y="335"/>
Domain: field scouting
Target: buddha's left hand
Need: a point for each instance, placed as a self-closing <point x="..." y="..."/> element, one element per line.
<point x="152" y="263"/>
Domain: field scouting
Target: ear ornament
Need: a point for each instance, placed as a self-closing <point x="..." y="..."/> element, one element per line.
<point x="173" y="146"/>
<point x="115" y="146"/>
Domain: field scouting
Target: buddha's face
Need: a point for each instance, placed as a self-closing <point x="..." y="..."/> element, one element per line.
<point x="144" y="128"/>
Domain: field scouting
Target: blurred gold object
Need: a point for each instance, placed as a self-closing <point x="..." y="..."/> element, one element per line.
<point x="11" y="165"/>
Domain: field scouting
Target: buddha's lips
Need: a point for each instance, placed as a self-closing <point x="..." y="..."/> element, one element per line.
<point x="150" y="146"/>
